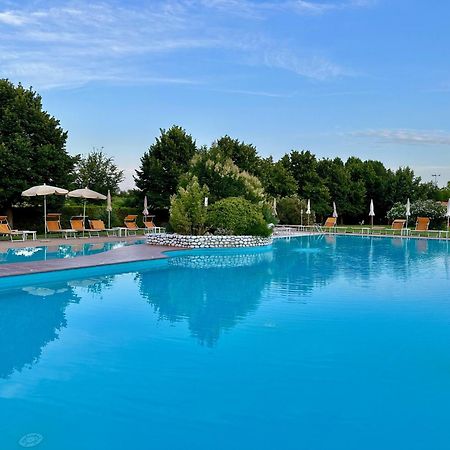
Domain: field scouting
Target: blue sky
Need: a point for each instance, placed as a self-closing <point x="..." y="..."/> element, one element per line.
<point x="369" y="78"/>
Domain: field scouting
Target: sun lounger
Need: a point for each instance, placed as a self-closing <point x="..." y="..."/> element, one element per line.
<point x="97" y="226"/>
<point x="150" y="227"/>
<point x="54" y="226"/>
<point x="330" y="224"/>
<point x="5" y="229"/>
<point x="131" y="225"/>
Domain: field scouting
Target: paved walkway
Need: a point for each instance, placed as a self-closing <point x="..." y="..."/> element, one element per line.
<point x="131" y="253"/>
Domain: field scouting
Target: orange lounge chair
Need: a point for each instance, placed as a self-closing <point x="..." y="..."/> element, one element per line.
<point x="330" y="224"/>
<point x="97" y="226"/>
<point x="130" y="224"/>
<point x="422" y="224"/>
<point x="150" y="227"/>
<point x="398" y="225"/>
<point x="54" y="226"/>
<point x="5" y="229"/>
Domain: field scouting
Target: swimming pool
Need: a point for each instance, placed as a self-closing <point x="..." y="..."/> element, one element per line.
<point x="44" y="253"/>
<point x="338" y="342"/>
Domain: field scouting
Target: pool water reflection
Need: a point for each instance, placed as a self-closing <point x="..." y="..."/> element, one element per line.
<point x="337" y="342"/>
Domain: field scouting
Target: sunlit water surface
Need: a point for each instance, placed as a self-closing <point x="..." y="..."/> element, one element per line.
<point x="317" y="343"/>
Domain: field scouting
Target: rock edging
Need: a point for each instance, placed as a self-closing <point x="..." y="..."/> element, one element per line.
<point x="179" y="240"/>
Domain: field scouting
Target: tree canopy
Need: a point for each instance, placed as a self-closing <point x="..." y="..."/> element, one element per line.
<point x="32" y="145"/>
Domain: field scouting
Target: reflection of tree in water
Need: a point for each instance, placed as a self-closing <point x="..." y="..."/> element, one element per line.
<point x="30" y="318"/>
<point x="213" y="299"/>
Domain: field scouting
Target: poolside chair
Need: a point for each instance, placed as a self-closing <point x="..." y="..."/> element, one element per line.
<point x="77" y="224"/>
<point x="150" y="227"/>
<point x="422" y="224"/>
<point x="330" y="224"/>
<point x="398" y="225"/>
<point x="5" y="229"/>
<point x="54" y="226"/>
<point x="97" y="226"/>
<point x="130" y="224"/>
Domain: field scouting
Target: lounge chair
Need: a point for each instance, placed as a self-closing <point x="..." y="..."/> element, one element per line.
<point x="330" y="224"/>
<point x="422" y="224"/>
<point x="398" y="225"/>
<point x="130" y="224"/>
<point x="54" y="226"/>
<point x="5" y="229"/>
<point x="77" y="224"/>
<point x="97" y="226"/>
<point x="150" y="227"/>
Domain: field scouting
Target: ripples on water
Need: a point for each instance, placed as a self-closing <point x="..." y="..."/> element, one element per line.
<point x="316" y="343"/>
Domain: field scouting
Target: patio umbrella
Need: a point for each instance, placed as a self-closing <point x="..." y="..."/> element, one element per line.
<point x="335" y="214"/>
<point x="109" y="208"/>
<point x="86" y="194"/>
<point x="308" y="209"/>
<point x="145" y="211"/>
<point x="42" y="191"/>
<point x="274" y="207"/>
<point x="206" y="202"/>
<point x="371" y="212"/>
<point x="408" y="211"/>
<point x="448" y="214"/>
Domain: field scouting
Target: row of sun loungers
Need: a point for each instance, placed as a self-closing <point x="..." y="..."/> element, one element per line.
<point x="96" y="226"/>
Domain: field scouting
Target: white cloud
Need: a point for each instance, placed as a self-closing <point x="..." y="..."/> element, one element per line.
<point x="406" y="137"/>
<point x="75" y="43"/>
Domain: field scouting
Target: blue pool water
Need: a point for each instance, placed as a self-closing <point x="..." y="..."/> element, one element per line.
<point x="43" y="253"/>
<point x="320" y="344"/>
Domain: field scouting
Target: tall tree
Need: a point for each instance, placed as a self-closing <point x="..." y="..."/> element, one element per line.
<point x="303" y="167"/>
<point x="32" y="145"/>
<point x="163" y="164"/>
<point x="97" y="171"/>
<point x="275" y="178"/>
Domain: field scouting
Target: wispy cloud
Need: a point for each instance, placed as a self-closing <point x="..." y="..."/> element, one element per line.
<point x="74" y="43"/>
<point x="406" y="137"/>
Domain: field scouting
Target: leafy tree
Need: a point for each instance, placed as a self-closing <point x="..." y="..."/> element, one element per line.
<point x="245" y="156"/>
<point x="303" y="167"/>
<point x="223" y="177"/>
<point x="187" y="211"/>
<point x="404" y="185"/>
<point x="275" y="178"/>
<point x="163" y="164"/>
<point x="98" y="172"/>
<point x="32" y="145"/>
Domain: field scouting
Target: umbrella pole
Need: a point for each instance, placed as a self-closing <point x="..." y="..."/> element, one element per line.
<point x="84" y="216"/>
<point x="371" y="221"/>
<point x="45" y="216"/>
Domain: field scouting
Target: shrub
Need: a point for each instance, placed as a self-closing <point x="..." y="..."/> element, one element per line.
<point x="421" y="208"/>
<point x="187" y="210"/>
<point x="237" y="216"/>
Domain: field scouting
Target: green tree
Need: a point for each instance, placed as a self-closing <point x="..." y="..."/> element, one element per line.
<point x="303" y="167"/>
<point x="163" y="164"/>
<point x="275" y="178"/>
<point x="32" y="145"/>
<point x="187" y="211"/>
<point x="245" y="156"/>
<point x="223" y="177"/>
<point x="97" y="171"/>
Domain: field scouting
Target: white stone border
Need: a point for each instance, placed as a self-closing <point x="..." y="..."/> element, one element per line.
<point x="179" y="240"/>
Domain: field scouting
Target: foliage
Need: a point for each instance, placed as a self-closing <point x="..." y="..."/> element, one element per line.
<point x="98" y="172"/>
<point x="32" y="145"/>
<point x="187" y="210"/>
<point x="303" y="167"/>
<point x="420" y="208"/>
<point x="277" y="181"/>
<point x="292" y="210"/>
<point x="163" y="164"/>
<point x="223" y="177"/>
<point x="237" y="216"/>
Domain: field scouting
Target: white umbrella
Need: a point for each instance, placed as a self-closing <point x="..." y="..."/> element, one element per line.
<point x="86" y="194"/>
<point x="408" y="211"/>
<point x="448" y="214"/>
<point x="42" y="191"/>
<point x="109" y="207"/>
<point x="308" y="209"/>
<point x="371" y="212"/>
<point x="145" y="211"/>
<point x="335" y="214"/>
<point x="206" y="202"/>
<point x="274" y="207"/>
